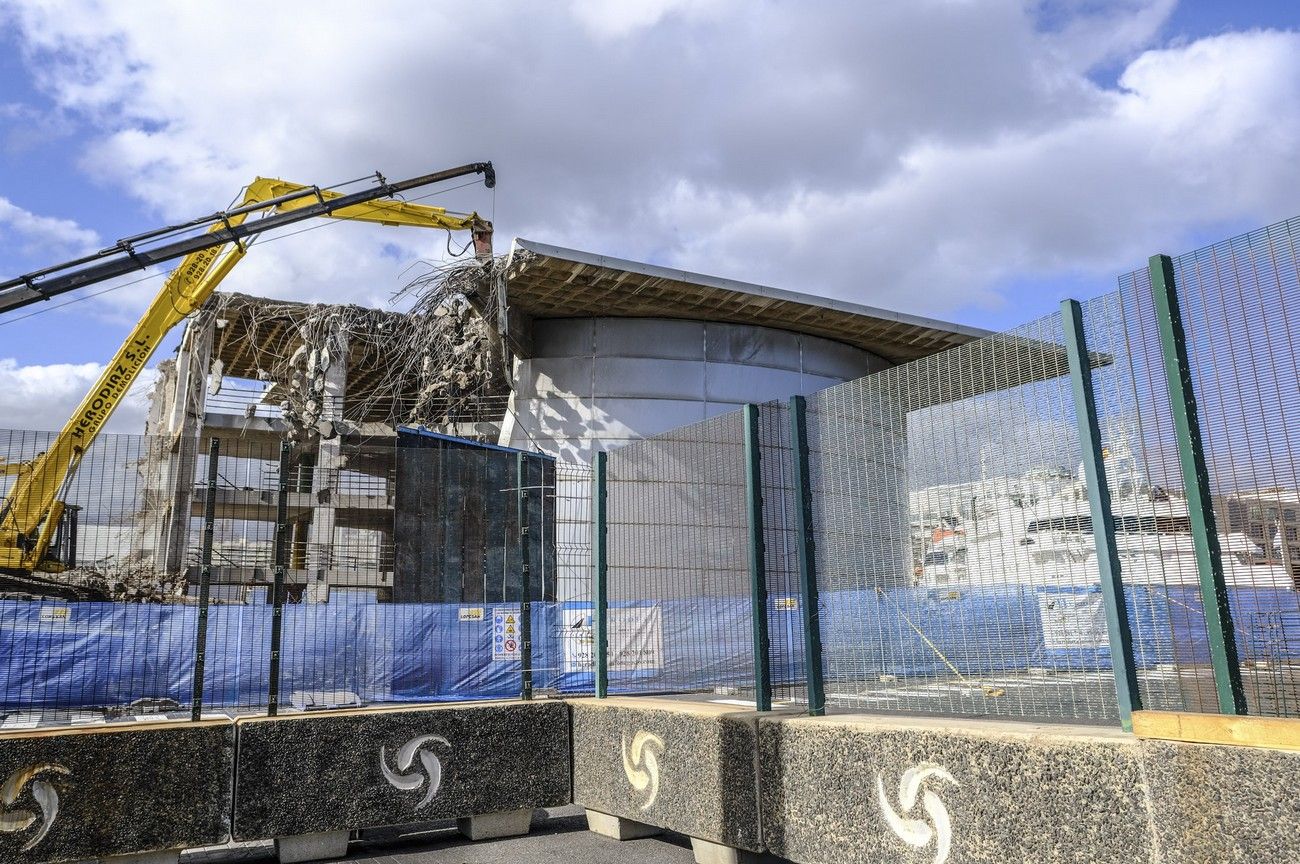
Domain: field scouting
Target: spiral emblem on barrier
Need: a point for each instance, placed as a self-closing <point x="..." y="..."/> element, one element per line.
<point x="919" y="833"/>
<point x="407" y="780"/>
<point x="43" y="792"/>
<point x="641" y="764"/>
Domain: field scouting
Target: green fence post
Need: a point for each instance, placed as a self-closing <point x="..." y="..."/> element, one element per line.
<point x="757" y="566"/>
<point x="1127" y="695"/>
<point x="600" y="570"/>
<point x="525" y="580"/>
<point x="205" y="581"/>
<point x="277" y="582"/>
<point x="803" y="521"/>
<point x="1196" y="482"/>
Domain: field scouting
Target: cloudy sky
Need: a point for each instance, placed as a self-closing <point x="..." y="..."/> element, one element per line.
<point x="974" y="160"/>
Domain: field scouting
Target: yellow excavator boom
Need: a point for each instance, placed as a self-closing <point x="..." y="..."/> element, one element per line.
<point x="30" y="514"/>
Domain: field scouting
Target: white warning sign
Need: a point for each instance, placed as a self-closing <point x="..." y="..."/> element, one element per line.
<point x="579" y="640"/>
<point x="507" y="636"/>
<point x="636" y="640"/>
<point x="1073" y="621"/>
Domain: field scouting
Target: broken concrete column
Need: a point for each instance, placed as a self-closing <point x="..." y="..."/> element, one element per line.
<point x="332" y="367"/>
<point x="179" y="425"/>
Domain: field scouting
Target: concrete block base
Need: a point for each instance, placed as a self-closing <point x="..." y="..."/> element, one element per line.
<point x="488" y="826"/>
<point x="127" y="793"/>
<point x="684" y="765"/>
<point x="322" y="846"/>
<point x="166" y="856"/>
<point x="859" y="789"/>
<point x="707" y="852"/>
<point x="618" y="828"/>
<point x="454" y="757"/>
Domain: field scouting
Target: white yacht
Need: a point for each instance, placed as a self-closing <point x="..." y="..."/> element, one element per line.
<point x="1037" y="530"/>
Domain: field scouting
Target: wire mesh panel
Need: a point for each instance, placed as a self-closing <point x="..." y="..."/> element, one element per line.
<point x="332" y="573"/>
<point x="475" y="539"/>
<point x="780" y="554"/>
<point x="244" y="486"/>
<point x="1237" y="299"/>
<point x="953" y="545"/>
<point x="1153" y="533"/>
<point x="679" y="587"/>
<point x="90" y="625"/>
<point x="572" y="662"/>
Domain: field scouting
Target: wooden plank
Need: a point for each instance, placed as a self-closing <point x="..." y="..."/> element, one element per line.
<point x="1273" y="733"/>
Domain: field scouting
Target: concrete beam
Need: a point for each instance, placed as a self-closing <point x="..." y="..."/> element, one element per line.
<point x="258" y="505"/>
<point x="264" y="575"/>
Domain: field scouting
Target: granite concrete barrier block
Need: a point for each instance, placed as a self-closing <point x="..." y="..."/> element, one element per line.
<point x="332" y="771"/>
<point x="862" y="790"/>
<point x="681" y="765"/>
<point x="88" y="792"/>
<point x="1224" y="804"/>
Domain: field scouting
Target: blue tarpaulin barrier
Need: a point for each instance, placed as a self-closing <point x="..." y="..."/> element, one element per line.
<point x="106" y="654"/>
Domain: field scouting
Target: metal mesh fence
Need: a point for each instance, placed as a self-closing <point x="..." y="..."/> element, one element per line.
<point x="572" y="661"/>
<point x="1148" y="501"/>
<point x="105" y="608"/>
<point x="953" y="540"/>
<point x="347" y="573"/>
<point x="678" y="583"/>
<point x="781" y="555"/>
<point x="952" y="537"/>
<point x="1237" y="298"/>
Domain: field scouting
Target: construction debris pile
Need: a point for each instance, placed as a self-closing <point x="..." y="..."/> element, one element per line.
<point x="432" y="365"/>
<point x="135" y="581"/>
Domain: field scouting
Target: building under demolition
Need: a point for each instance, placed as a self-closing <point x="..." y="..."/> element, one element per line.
<point x="545" y="350"/>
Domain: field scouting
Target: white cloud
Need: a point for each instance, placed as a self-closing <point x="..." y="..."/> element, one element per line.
<point x="605" y="19"/>
<point x="919" y="155"/>
<point x="42" y="398"/>
<point x="1198" y="136"/>
<point x="32" y="234"/>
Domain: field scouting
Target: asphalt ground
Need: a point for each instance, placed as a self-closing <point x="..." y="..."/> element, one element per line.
<point x="558" y="835"/>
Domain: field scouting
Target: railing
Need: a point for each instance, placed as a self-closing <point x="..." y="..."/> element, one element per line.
<point x="1089" y="515"/>
<point x="235" y="574"/>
